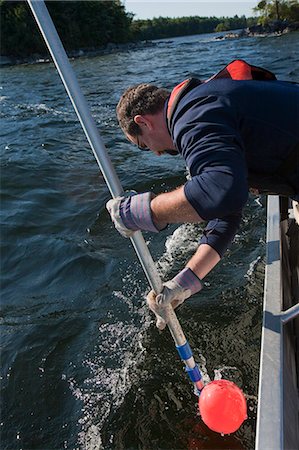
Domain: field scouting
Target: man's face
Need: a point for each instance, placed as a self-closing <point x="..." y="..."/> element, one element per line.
<point x="153" y="134"/>
<point x="149" y="141"/>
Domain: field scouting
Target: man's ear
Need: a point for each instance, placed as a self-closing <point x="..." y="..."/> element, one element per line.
<point x="143" y="121"/>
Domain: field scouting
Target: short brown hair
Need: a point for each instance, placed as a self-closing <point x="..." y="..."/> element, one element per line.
<point x="140" y="99"/>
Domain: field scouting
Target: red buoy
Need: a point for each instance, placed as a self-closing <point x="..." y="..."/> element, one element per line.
<point x="222" y="406"/>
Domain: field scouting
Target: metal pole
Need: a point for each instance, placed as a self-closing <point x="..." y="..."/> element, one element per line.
<point x="72" y="87"/>
<point x="290" y="314"/>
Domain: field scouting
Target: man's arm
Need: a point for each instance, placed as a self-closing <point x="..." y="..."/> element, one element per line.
<point x="173" y="207"/>
<point x="203" y="260"/>
<point x="216" y="237"/>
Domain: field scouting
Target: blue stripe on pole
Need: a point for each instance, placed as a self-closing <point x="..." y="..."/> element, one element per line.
<point x="184" y="351"/>
<point x="194" y="374"/>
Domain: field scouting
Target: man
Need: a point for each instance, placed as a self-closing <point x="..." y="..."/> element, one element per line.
<point x="234" y="134"/>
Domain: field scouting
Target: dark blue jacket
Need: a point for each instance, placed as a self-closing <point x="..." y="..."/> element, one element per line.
<point x="228" y="130"/>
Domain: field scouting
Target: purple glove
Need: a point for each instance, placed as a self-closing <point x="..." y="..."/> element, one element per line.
<point x="132" y="213"/>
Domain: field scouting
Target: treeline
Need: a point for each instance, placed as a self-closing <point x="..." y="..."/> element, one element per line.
<point x="234" y="23"/>
<point x="80" y="24"/>
<point x="163" y="27"/>
<point x="94" y="24"/>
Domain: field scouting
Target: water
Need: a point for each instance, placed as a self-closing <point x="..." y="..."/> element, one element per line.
<point x="83" y="366"/>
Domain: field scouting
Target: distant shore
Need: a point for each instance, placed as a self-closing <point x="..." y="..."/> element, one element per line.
<point x="73" y="54"/>
<point x="276" y="28"/>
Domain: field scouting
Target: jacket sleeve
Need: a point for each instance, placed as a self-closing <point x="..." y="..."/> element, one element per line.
<point x="219" y="233"/>
<point x="218" y="196"/>
<point x="217" y="192"/>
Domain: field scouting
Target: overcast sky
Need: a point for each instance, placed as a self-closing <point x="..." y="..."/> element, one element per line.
<point x="147" y="9"/>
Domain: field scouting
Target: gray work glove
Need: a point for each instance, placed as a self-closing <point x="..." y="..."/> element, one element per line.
<point x="113" y="207"/>
<point x="132" y="213"/>
<point x="174" y="292"/>
<point x="157" y="310"/>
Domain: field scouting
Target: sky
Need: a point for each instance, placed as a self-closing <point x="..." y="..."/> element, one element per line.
<point x="147" y="9"/>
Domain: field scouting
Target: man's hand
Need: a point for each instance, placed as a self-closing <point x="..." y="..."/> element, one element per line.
<point x="174" y="292"/>
<point x="113" y="207"/>
<point x="132" y="213"/>
<point x="159" y="311"/>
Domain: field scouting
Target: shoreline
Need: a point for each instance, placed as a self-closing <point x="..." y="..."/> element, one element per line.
<point x="36" y="58"/>
<point x="275" y="28"/>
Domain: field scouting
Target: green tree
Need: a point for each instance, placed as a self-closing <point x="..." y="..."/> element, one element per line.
<point x="270" y="10"/>
<point x="80" y="24"/>
<point x="232" y="23"/>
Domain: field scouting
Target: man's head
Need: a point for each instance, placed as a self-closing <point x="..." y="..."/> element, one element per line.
<point x="140" y="112"/>
<point x="139" y="100"/>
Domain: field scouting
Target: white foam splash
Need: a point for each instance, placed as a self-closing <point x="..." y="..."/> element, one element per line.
<point x="258" y="201"/>
<point x="202" y="363"/>
<point x="112" y="372"/>
<point x="179" y="246"/>
<point x="43" y="108"/>
<point x="218" y="372"/>
<point x="252" y="267"/>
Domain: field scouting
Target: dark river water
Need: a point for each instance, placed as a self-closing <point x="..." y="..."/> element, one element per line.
<point x="83" y="366"/>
